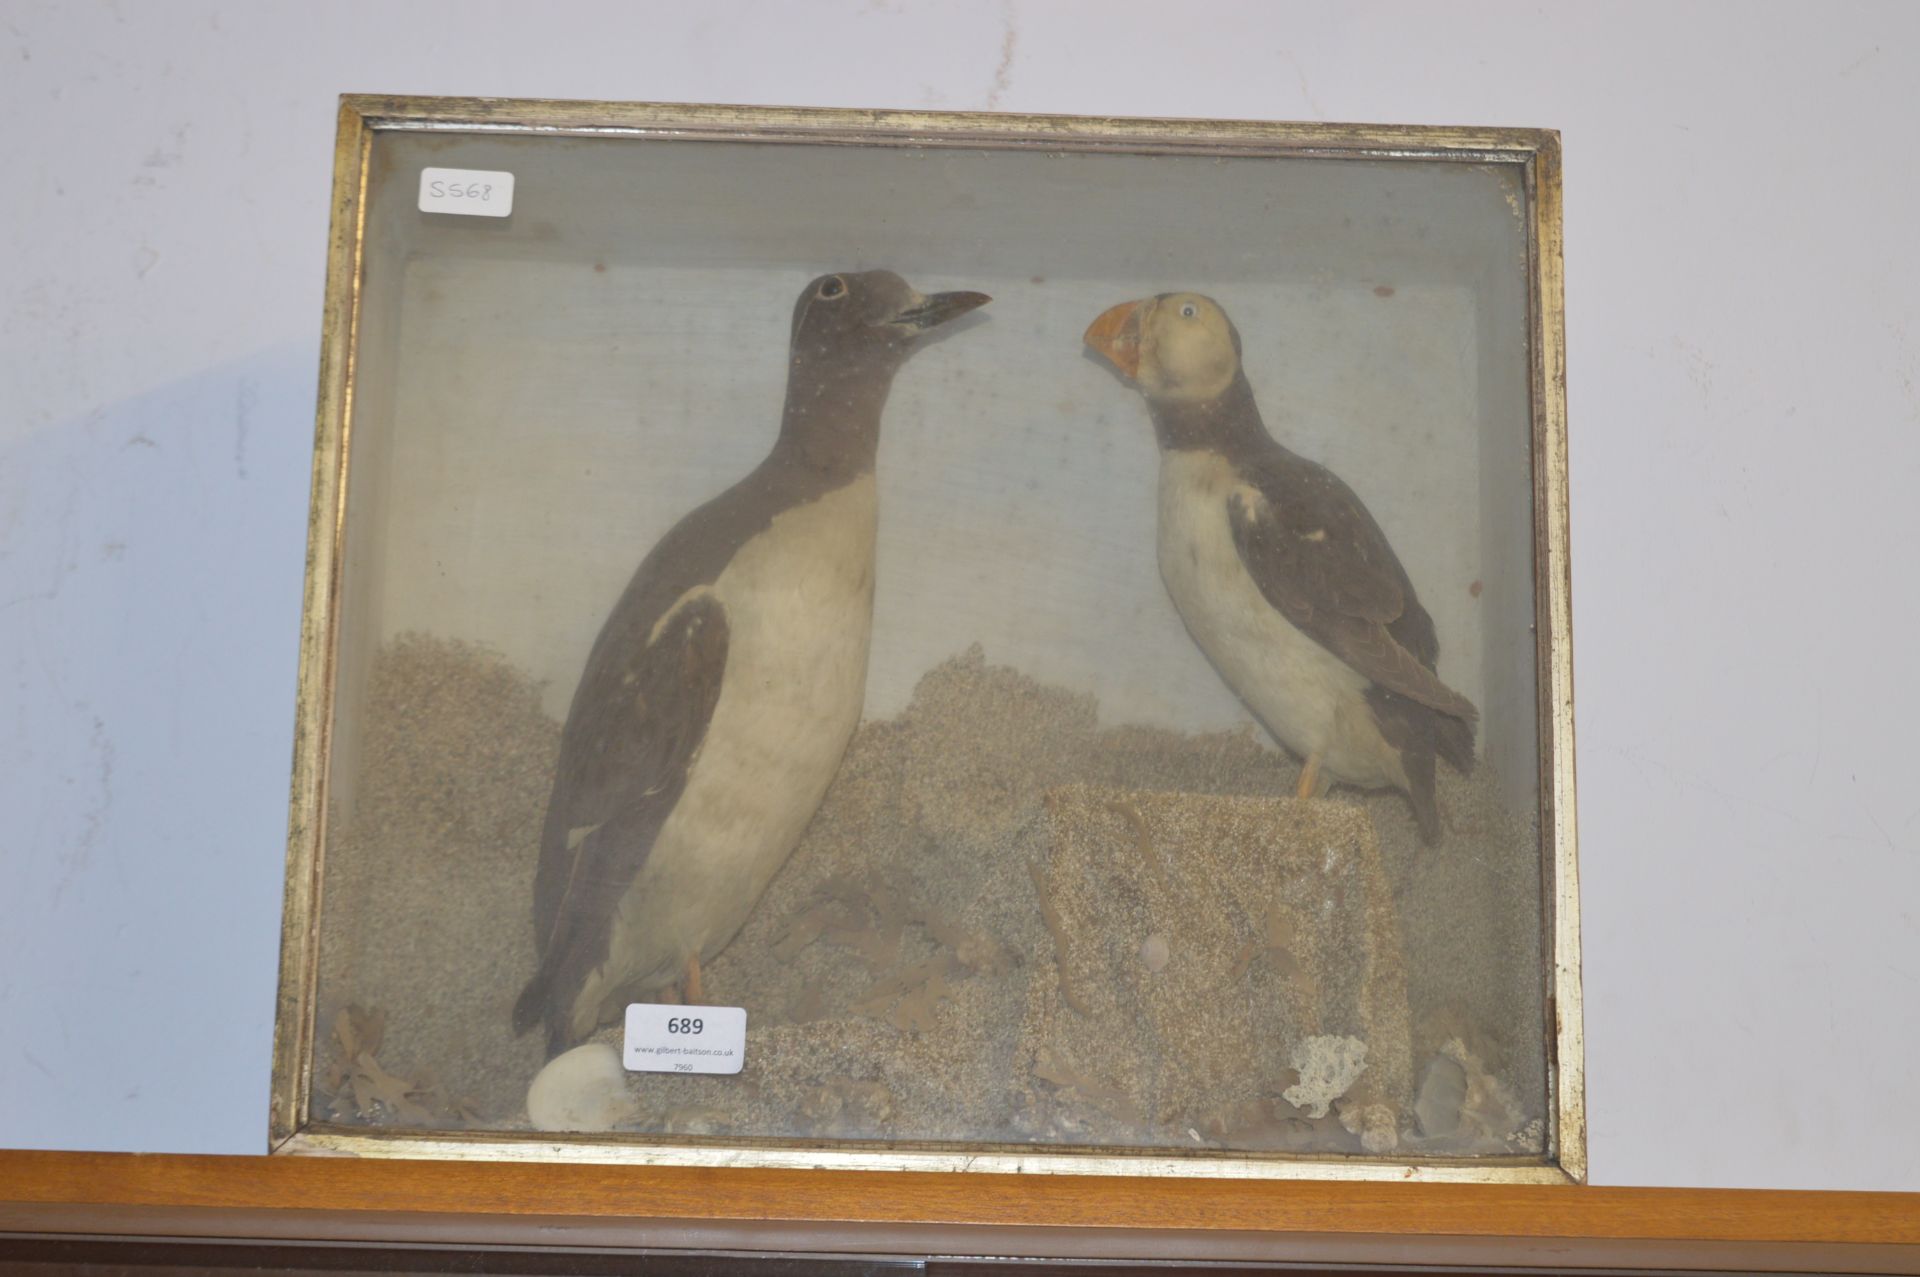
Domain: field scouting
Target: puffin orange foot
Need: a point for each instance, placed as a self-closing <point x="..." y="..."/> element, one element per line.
<point x="1309" y="786"/>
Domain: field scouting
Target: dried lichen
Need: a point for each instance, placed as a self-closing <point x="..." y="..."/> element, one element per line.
<point x="1328" y="1065"/>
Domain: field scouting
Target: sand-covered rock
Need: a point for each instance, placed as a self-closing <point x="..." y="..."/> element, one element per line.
<point x="1283" y="980"/>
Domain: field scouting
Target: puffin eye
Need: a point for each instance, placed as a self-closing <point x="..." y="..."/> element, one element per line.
<point x="1187" y="311"/>
<point x="832" y="286"/>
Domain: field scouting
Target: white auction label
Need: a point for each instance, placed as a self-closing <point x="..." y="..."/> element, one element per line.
<point x="676" y="1039"/>
<point x="472" y="191"/>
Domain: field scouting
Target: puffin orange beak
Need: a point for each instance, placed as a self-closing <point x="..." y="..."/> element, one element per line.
<point x="1115" y="337"/>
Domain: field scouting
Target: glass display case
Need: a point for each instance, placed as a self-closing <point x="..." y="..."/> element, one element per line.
<point x="937" y="641"/>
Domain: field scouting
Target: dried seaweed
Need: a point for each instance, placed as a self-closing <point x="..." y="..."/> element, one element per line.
<point x="809" y="1006"/>
<point x="908" y="999"/>
<point x="847" y="1106"/>
<point x="356" y="1086"/>
<point x="870" y="917"/>
<point x="878" y="947"/>
<point x="1050" y="1068"/>
<point x="976" y="950"/>
<point x="1142" y="840"/>
<point x="807" y="927"/>
<point x="1058" y="930"/>
<point x="1270" y="1123"/>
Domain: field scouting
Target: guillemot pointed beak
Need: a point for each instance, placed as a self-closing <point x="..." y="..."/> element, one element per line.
<point x="1115" y="337"/>
<point x="931" y="312"/>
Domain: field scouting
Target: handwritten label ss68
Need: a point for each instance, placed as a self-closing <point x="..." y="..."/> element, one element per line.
<point x="675" y="1039"/>
<point x="470" y="191"/>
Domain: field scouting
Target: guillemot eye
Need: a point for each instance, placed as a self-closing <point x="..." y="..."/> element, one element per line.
<point x="1188" y="311"/>
<point x="832" y="286"/>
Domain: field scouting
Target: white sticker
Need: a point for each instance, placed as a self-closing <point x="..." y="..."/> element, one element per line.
<point x="472" y="191"/>
<point x="676" y="1039"/>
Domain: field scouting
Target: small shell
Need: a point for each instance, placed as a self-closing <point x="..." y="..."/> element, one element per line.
<point x="1154" y="953"/>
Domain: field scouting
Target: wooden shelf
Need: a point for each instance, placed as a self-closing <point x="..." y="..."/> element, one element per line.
<point x="332" y="1200"/>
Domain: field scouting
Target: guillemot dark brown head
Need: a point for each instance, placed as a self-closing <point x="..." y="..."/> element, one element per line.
<point x="871" y="318"/>
<point x="851" y="332"/>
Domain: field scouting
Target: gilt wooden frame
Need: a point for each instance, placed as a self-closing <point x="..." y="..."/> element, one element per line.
<point x="1535" y="154"/>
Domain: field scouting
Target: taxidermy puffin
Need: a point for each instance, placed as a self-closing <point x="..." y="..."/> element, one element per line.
<point x="723" y="688"/>
<point x="1281" y="575"/>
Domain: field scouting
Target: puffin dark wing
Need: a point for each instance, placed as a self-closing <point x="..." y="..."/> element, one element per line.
<point x="637" y="721"/>
<point x="1321" y="560"/>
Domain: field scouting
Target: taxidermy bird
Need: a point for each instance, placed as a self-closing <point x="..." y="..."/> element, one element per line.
<point x="718" y="700"/>
<point x="1281" y="575"/>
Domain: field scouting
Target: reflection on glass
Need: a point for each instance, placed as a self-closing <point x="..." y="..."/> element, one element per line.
<point x="1104" y="717"/>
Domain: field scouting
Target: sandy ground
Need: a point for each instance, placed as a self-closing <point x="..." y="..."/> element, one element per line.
<point x="1006" y="924"/>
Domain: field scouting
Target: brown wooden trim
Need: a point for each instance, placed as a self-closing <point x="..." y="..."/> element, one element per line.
<point x="124" y="1257"/>
<point x="903" y="1212"/>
